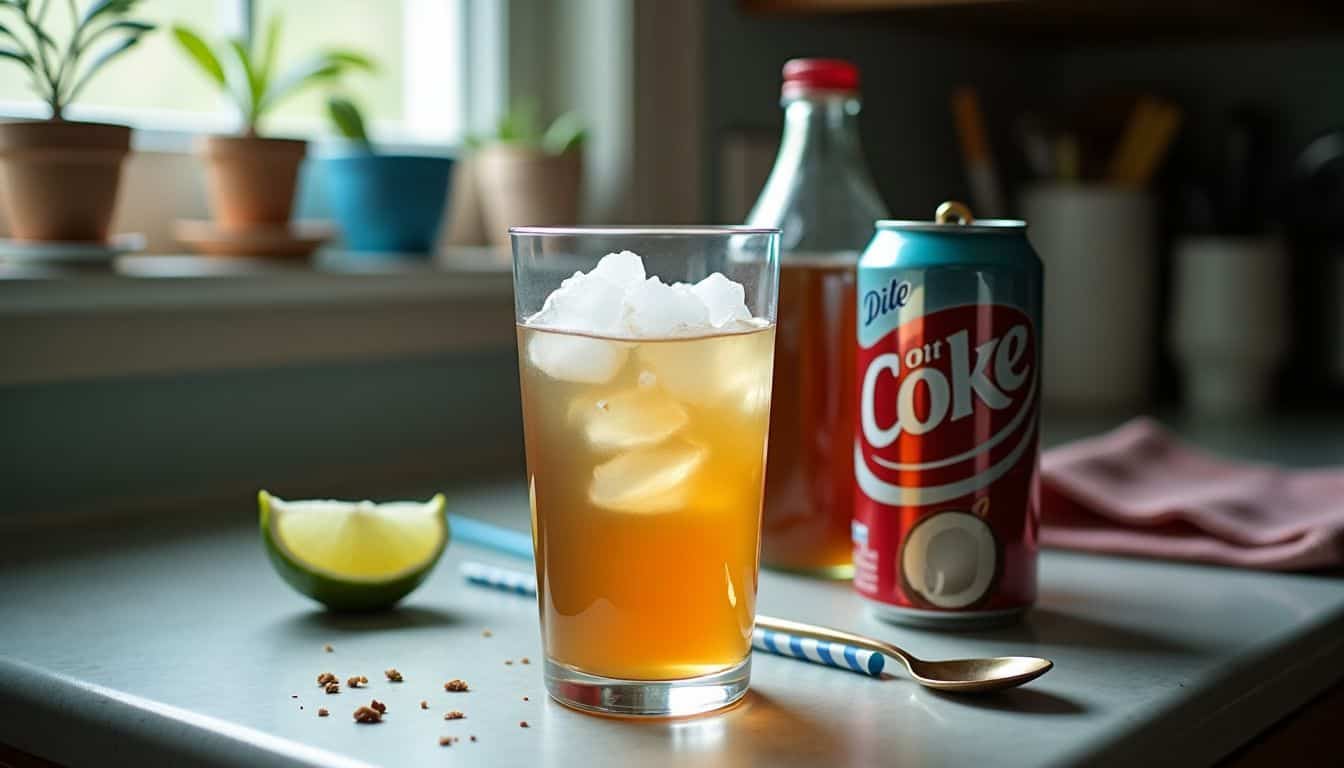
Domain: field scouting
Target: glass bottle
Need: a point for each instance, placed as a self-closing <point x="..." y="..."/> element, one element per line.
<point x="823" y="199"/>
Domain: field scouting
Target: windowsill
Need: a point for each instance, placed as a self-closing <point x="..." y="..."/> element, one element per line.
<point x="169" y="314"/>
<point x="177" y="133"/>
<point x="157" y="279"/>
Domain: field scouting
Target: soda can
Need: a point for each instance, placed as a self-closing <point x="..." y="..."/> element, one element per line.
<point x="946" y="454"/>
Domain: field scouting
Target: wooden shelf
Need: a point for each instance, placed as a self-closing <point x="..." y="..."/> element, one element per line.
<point x="858" y="6"/>
<point x="1088" y="19"/>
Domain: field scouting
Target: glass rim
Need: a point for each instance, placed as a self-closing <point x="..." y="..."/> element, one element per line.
<point x="639" y="230"/>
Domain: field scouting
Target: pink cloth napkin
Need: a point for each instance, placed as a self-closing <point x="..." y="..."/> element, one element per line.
<point x="1137" y="490"/>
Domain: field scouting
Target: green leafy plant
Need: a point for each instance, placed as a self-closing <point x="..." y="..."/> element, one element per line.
<point x="521" y="125"/>
<point x="60" y="70"/>
<point x="347" y="119"/>
<point x="251" y="79"/>
<point x="565" y="132"/>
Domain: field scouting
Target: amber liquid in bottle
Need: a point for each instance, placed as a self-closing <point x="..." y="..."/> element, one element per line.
<point x="823" y="200"/>
<point x="809" y="484"/>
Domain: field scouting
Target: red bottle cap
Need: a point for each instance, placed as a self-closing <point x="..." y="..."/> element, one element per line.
<point x="820" y="75"/>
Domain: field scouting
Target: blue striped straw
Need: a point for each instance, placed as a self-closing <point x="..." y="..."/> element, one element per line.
<point x="838" y="655"/>
<point x="517" y="582"/>
<point x="467" y="530"/>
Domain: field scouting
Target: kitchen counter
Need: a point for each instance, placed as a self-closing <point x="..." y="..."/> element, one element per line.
<point x="170" y="640"/>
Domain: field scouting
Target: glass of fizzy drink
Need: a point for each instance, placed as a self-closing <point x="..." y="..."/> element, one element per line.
<point x="645" y="357"/>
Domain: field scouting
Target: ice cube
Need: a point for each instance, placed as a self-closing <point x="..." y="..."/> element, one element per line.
<point x="549" y="306"/>
<point x="585" y="303"/>
<point x="580" y="359"/>
<point x="722" y="371"/>
<point x="724" y="299"/>
<point x="625" y="269"/>
<point x="632" y="419"/>
<point x="648" y="480"/>
<point x="654" y="309"/>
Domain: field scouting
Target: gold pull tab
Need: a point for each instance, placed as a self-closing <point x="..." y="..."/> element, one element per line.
<point x="953" y="212"/>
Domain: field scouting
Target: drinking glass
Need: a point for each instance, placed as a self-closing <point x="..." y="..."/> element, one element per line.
<point x="646" y="462"/>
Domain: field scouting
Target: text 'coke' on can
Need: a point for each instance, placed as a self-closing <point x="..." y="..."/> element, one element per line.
<point x="946" y="455"/>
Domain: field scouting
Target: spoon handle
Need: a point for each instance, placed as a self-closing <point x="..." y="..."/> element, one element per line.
<point x="834" y="636"/>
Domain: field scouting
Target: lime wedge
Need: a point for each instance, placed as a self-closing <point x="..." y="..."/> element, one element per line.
<point x="353" y="556"/>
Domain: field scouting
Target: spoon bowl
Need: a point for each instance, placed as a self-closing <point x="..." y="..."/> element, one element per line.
<point x="952" y="675"/>
<point x="978" y="675"/>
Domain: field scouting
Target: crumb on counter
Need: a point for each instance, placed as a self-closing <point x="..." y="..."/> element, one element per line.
<point x="523" y="724"/>
<point x="333" y="688"/>
<point x="324" y="678"/>
<point x="322" y="712"/>
<point x="392" y="674"/>
<point x="328" y="648"/>
<point x="424" y="704"/>
<point x="354" y="681"/>
<point x="378" y="705"/>
<point x="445" y="741"/>
<point x="455" y="686"/>
<point x="456" y="714"/>
<point x="524" y="660"/>
<point x="368" y="715"/>
<point x="487" y="633"/>
<point x="508" y="662"/>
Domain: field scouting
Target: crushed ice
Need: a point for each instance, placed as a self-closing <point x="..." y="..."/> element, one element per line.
<point x="617" y="299"/>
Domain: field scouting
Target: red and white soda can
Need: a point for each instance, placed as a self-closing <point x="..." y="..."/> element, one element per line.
<point x="945" y="456"/>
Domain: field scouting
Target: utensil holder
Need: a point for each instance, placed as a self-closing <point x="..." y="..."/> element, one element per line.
<point x="1097" y="245"/>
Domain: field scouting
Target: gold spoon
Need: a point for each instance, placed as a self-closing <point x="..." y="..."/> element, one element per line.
<point x="956" y="675"/>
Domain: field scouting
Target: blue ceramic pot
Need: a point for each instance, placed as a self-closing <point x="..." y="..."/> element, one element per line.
<point x="388" y="203"/>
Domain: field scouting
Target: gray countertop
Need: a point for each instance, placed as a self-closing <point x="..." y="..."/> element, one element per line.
<point x="170" y="641"/>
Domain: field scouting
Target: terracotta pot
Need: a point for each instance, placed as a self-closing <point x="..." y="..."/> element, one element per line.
<point x="521" y="186"/>
<point x="250" y="181"/>
<point x="466" y="220"/>
<point x="58" y="179"/>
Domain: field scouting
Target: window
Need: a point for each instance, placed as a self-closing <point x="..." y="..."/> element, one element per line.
<point x="416" y="96"/>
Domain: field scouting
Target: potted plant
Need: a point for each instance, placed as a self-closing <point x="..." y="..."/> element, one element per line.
<point x="250" y="179"/>
<point x="527" y="176"/>
<point x="390" y="204"/>
<point x="41" y="161"/>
